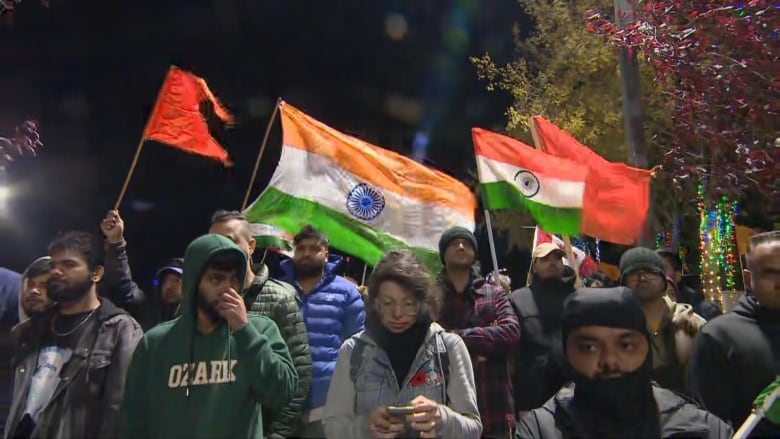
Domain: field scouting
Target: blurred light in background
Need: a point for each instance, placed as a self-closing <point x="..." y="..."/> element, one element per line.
<point x="5" y="193"/>
<point x="396" y="26"/>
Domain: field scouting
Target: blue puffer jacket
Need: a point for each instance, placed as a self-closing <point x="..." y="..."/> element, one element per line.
<point x="333" y="311"/>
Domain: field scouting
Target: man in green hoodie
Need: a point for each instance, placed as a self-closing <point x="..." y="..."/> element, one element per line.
<point x="207" y="373"/>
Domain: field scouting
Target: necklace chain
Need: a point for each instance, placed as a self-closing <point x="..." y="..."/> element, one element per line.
<point x="64" y="334"/>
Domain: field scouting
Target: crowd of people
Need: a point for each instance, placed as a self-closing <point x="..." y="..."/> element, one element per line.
<point x="221" y="349"/>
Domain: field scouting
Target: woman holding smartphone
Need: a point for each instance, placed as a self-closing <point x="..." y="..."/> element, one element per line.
<point x="404" y="376"/>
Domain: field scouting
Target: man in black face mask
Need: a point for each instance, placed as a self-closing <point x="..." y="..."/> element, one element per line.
<point x="607" y="347"/>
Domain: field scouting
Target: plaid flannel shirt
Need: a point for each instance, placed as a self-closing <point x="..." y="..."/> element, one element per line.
<point x="490" y="329"/>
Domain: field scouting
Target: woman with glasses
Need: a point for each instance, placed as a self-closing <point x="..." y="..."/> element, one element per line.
<point x="404" y="376"/>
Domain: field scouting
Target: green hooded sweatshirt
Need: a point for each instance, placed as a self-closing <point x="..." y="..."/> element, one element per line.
<point x="185" y="384"/>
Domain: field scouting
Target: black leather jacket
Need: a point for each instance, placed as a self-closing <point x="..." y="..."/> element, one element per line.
<point x="86" y="402"/>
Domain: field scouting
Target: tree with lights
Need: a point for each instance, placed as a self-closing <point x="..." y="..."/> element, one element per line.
<point x="717" y="69"/>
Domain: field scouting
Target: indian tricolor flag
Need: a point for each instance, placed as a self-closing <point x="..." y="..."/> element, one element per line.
<point x="270" y="237"/>
<point x="366" y="199"/>
<point x="514" y="175"/>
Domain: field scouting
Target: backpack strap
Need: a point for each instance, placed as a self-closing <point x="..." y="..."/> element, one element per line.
<point x="356" y="359"/>
<point x="443" y="358"/>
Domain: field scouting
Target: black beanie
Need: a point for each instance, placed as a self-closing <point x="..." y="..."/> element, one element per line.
<point x="640" y="258"/>
<point x="455" y="233"/>
<point x="612" y="307"/>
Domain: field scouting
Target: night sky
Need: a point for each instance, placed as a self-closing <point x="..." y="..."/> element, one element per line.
<point x="395" y="73"/>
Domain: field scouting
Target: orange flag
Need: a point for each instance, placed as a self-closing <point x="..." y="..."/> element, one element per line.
<point x="176" y="119"/>
<point x="618" y="192"/>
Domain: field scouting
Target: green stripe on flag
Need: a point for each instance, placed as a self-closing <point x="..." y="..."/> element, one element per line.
<point x="272" y="241"/>
<point x="345" y="233"/>
<point x="504" y="195"/>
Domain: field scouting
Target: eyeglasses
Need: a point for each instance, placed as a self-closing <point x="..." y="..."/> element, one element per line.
<point x="406" y="308"/>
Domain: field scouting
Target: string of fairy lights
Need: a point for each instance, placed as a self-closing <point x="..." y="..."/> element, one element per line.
<point x="717" y="246"/>
<point x="719" y="261"/>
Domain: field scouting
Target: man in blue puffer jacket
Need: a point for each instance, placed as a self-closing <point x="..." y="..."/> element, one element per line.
<point x="332" y="309"/>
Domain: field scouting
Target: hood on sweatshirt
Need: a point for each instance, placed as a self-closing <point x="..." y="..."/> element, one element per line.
<point x="196" y="259"/>
<point x="35" y="267"/>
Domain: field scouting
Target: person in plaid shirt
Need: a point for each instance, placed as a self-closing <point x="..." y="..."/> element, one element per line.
<point x="480" y="313"/>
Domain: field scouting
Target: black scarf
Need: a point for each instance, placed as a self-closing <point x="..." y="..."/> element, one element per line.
<point x="401" y="348"/>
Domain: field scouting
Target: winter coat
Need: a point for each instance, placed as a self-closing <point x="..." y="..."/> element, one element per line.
<point x="350" y="404"/>
<point x="278" y="301"/>
<point x="735" y="357"/>
<point x="333" y="311"/>
<point x="678" y="418"/>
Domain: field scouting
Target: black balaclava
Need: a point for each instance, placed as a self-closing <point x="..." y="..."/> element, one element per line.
<point x="621" y="406"/>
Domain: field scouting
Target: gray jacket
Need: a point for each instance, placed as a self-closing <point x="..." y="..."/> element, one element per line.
<point x="376" y="387"/>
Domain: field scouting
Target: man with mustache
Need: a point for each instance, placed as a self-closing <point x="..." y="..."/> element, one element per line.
<point x="607" y="348"/>
<point x="672" y="325"/>
<point x="70" y="361"/>
<point x="33" y="299"/>
<point x="333" y="311"/>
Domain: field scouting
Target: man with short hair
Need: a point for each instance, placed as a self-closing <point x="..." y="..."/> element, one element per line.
<point x="164" y="304"/>
<point x="672" y="325"/>
<point x="607" y="348"/>
<point x="209" y="372"/>
<point x="278" y="301"/>
<point x="738" y="354"/>
<point x="333" y="310"/>
<point x="673" y="268"/>
<point x="71" y="360"/>
<point x="480" y="313"/>
<point x="33" y="299"/>
<point x="539" y="363"/>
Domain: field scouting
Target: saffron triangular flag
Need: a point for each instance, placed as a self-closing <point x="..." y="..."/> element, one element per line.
<point x="616" y="195"/>
<point x="176" y="119"/>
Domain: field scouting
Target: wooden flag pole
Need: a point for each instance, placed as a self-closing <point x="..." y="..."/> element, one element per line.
<point x="566" y="241"/>
<point x="129" y="174"/>
<point x="365" y="270"/>
<point x="260" y="154"/>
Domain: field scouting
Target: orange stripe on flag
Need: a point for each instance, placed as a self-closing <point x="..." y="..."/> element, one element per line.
<point x="374" y="165"/>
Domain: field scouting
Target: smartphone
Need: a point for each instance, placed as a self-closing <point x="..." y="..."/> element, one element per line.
<point x="400" y="412"/>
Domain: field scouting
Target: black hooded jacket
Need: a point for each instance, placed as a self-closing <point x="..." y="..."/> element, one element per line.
<point x="557" y="419"/>
<point x="538" y="371"/>
<point x="735" y="357"/>
<point x="629" y="405"/>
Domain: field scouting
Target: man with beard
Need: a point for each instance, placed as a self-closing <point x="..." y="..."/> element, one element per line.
<point x="278" y="301"/>
<point x="738" y="354"/>
<point x="71" y="360"/>
<point x="607" y="348"/>
<point x="673" y="267"/>
<point x="164" y="305"/>
<point x="480" y="313"/>
<point x="672" y="325"/>
<point x="209" y="372"/>
<point x="332" y="309"/>
<point x="33" y="299"/>
<point x="539" y="360"/>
